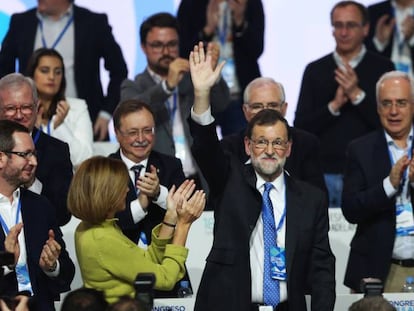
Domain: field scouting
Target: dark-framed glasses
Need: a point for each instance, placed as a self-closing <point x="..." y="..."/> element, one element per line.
<point x="10" y="111"/>
<point x="261" y="106"/>
<point x="399" y="103"/>
<point x="347" y="25"/>
<point x="159" y="46"/>
<point x="23" y="154"/>
<point x="278" y="144"/>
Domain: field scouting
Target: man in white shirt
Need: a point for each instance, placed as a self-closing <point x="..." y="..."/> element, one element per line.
<point x="42" y="267"/>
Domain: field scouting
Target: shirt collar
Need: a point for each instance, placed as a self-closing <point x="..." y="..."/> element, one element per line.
<point x="354" y="61"/>
<point x="68" y="13"/>
<point x="390" y="141"/>
<point x="156" y="77"/>
<point x="16" y="196"/>
<point x="130" y="163"/>
<point x="278" y="183"/>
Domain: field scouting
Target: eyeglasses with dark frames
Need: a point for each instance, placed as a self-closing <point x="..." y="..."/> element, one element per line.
<point x="23" y="154"/>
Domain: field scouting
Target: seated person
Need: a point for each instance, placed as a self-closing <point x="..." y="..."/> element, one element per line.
<point x="65" y="118"/>
<point x="108" y="260"/>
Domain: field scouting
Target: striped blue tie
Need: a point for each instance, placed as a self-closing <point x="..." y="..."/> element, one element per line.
<point x="271" y="295"/>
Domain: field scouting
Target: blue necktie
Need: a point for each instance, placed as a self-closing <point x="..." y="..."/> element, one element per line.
<point x="271" y="295"/>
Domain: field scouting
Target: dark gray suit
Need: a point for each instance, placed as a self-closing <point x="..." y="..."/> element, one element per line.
<point x="145" y="88"/>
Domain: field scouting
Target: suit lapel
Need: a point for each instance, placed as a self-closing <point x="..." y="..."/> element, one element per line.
<point x="381" y="156"/>
<point x="294" y="209"/>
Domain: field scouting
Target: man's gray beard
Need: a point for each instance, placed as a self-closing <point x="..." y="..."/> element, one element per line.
<point x="278" y="170"/>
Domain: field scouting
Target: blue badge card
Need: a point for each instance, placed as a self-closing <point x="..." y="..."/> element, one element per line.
<point x="278" y="263"/>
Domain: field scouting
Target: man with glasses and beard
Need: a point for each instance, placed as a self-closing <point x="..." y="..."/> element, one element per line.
<point x="261" y="244"/>
<point x="42" y="267"/>
<point x="166" y="86"/>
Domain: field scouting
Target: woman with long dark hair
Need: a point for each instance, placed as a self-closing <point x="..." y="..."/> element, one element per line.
<point x="61" y="117"/>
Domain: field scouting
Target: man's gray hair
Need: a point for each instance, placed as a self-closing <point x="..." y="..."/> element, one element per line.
<point x="16" y="80"/>
<point x="261" y="81"/>
<point x="394" y="75"/>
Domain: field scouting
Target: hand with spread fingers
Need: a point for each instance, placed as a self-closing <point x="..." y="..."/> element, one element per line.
<point x="50" y="253"/>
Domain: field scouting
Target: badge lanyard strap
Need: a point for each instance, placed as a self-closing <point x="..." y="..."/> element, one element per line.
<point x="222" y="31"/>
<point x="59" y="36"/>
<point x="400" y="188"/>
<point x="172" y="110"/>
<point x="282" y="219"/>
<point x="3" y="223"/>
<point x="36" y="138"/>
<point x="400" y="40"/>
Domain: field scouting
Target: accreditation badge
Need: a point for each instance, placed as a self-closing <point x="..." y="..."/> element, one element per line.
<point x="403" y="64"/>
<point x="405" y="220"/>
<point x="23" y="279"/>
<point x="278" y="263"/>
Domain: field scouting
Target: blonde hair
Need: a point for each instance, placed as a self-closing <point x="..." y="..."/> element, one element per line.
<point x="97" y="189"/>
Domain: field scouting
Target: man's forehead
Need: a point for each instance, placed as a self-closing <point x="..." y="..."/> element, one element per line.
<point x="23" y="139"/>
<point x="278" y="130"/>
<point x="265" y="93"/>
<point x="16" y="94"/>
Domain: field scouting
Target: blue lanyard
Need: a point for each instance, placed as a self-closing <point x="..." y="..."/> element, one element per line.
<point x="59" y="36"/>
<point x="404" y="179"/>
<point x="172" y="110"/>
<point x="36" y="138"/>
<point x="222" y="31"/>
<point x="3" y="223"/>
<point x="400" y="40"/>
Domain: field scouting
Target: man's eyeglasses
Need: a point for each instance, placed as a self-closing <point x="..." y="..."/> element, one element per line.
<point x="158" y="46"/>
<point x="278" y="144"/>
<point x="261" y="106"/>
<point x="347" y="25"/>
<point x="399" y="103"/>
<point x="10" y="111"/>
<point x="23" y="154"/>
<point x="146" y="131"/>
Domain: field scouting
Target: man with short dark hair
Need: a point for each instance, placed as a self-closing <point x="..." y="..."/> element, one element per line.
<point x="42" y="267"/>
<point x="303" y="162"/>
<point x="166" y="86"/>
<point x="337" y="96"/>
<point x="83" y="38"/>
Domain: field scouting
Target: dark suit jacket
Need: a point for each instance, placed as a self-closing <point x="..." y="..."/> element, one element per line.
<point x="335" y="132"/>
<point x="54" y="170"/>
<point x="375" y="12"/>
<point x="303" y="162"/>
<point x="170" y="172"/>
<point x="226" y="280"/>
<point x="247" y="43"/>
<point x="145" y="88"/>
<point x="38" y="217"/>
<point x="93" y="41"/>
<point x="365" y="203"/>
